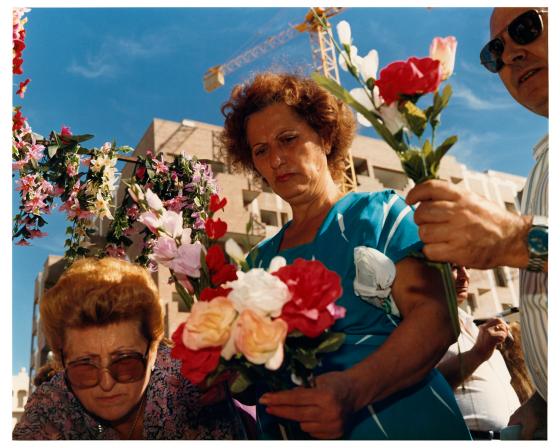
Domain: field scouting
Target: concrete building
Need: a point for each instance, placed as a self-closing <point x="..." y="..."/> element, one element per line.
<point x="20" y="392"/>
<point x="376" y="166"/>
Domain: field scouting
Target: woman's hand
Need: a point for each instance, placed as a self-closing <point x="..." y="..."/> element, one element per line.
<point x="322" y="411"/>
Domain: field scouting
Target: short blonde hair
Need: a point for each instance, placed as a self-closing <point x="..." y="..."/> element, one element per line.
<point x="97" y="292"/>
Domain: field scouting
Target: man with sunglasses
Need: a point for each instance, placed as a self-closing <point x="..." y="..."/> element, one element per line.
<point x="466" y="229"/>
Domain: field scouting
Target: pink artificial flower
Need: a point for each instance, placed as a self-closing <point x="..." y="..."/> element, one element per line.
<point x="36" y="233"/>
<point x="164" y="250"/>
<point x="185" y="283"/>
<point x="151" y="221"/>
<point x="176" y="204"/>
<point x="23" y="242"/>
<point x="36" y="152"/>
<point x="153" y="200"/>
<point x="161" y="167"/>
<point x="187" y="261"/>
<point x="18" y="165"/>
<point x="443" y="49"/>
<point x="172" y="223"/>
<point x="132" y="212"/>
<point x="71" y="170"/>
<point x="115" y="251"/>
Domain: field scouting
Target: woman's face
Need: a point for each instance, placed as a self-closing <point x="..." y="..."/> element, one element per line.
<point x="109" y="399"/>
<point x="288" y="153"/>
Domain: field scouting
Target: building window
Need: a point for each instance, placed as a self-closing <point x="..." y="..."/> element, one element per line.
<point x="500" y="276"/>
<point x="456" y="180"/>
<point x="269" y="218"/>
<point x="284" y="217"/>
<point x="390" y="178"/>
<point x="360" y="166"/>
<point x="21" y="395"/>
<point x="217" y="167"/>
<point x="182" y="307"/>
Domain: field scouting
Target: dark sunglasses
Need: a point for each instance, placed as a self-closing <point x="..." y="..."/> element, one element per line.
<point x="523" y="30"/>
<point x="127" y="368"/>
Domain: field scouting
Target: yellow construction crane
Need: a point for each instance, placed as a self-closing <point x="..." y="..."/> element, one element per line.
<point x="323" y="55"/>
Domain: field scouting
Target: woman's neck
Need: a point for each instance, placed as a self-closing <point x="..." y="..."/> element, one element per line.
<point x="131" y="426"/>
<point x="308" y="216"/>
<point x="315" y="206"/>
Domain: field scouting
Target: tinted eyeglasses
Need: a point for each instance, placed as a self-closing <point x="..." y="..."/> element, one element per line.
<point x="126" y="368"/>
<point x="523" y="30"/>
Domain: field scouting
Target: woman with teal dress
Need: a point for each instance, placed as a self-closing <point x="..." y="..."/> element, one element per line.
<point x="382" y="383"/>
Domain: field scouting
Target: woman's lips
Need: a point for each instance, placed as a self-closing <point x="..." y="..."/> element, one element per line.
<point x="283" y="177"/>
<point x="110" y="399"/>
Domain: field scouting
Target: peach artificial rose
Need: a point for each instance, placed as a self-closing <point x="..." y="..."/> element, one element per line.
<point x="209" y="324"/>
<point x="261" y="339"/>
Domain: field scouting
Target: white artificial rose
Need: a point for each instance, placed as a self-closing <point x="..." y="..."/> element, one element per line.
<point x="375" y="274"/>
<point x="259" y="291"/>
<point x="234" y="251"/>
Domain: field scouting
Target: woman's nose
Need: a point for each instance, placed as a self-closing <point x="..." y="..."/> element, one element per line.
<point x="106" y="381"/>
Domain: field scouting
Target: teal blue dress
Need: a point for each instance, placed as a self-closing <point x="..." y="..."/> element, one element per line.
<point x="383" y="221"/>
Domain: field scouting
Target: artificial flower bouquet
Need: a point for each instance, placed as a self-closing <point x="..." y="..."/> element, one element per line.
<point x="267" y="325"/>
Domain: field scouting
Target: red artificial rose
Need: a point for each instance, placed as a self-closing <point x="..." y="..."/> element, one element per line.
<point x="23" y="88"/>
<point x="227" y="273"/>
<point x="208" y="294"/>
<point x="195" y="364"/>
<point x="18" y="121"/>
<point x="216" y="204"/>
<point x="314" y="288"/>
<point x="215" y="258"/>
<point x="215" y="229"/>
<point x="140" y="171"/>
<point x="413" y="77"/>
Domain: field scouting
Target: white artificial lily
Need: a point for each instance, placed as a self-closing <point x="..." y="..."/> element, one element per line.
<point x="368" y="65"/>
<point x="392" y="118"/>
<point x="154" y="202"/>
<point x="234" y="251"/>
<point x="344" y="32"/>
<point x="354" y="59"/>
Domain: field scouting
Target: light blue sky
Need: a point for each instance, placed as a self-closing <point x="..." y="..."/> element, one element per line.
<point x="109" y="72"/>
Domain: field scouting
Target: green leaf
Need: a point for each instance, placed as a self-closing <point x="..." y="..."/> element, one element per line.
<point x="241" y="382"/>
<point x="415" y="117"/>
<point x="306" y="358"/>
<point x="183" y="293"/>
<point x="79" y="138"/>
<point x="427" y="148"/>
<point x="446" y="95"/>
<point x="413" y="165"/>
<point x="331" y="343"/>
<point x="442" y="149"/>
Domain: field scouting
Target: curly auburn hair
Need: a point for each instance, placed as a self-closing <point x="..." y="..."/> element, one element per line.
<point x="329" y="117"/>
<point x="98" y="292"/>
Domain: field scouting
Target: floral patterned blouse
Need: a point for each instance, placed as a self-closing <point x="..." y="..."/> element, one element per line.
<point x="172" y="411"/>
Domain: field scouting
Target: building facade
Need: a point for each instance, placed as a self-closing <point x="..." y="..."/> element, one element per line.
<point x="377" y="167"/>
<point x="20" y="392"/>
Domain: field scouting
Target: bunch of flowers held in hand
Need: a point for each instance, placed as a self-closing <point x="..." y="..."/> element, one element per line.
<point x="389" y="102"/>
<point x="276" y="320"/>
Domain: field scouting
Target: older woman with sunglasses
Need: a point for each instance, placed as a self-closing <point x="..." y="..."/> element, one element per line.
<point x="103" y="321"/>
